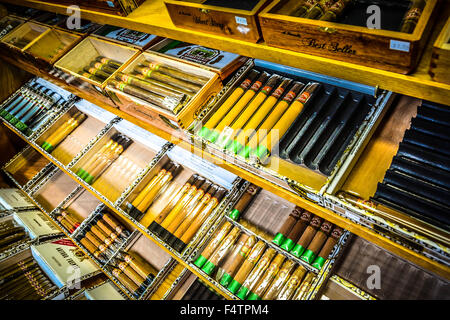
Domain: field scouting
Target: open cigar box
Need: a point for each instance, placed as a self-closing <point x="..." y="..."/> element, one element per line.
<point x="399" y="186"/>
<point x="117" y="158"/>
<point x="263" y="217"/>
<point x="350" y="39"/>
<point x="91" y="122"/>
<point x="440" y="59"/>
<point x="77" y="62"/>
<point x="136" y="39"/>
<point x="233" y="19"/>
<point x="14" y="200"/>
<point x="212" y="186"/>
<point x="321" y="143"/>
<point x="9" y="24"/>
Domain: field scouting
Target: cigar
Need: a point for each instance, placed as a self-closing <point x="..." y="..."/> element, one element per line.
<point x="141" y="266"/>
<point x="412" y="16"/>
<point x="307" y="236"/>
<point x="319" y="9"/>
<point x="335" y="11"/>
<point x="103" y="67"/>
<point x="287" y="226"/>
<point x="292" y="284"/>
<point x="114" y="224"/>
<point x="302" y="291"/>
<point x="164" y="85"/>
<point x="243" y="202"/>
<point x="96" y="72"/>
<point x="290" y="7"/>
<point x="62" y="132"/>
<point x="234" y="112"/>
<point x="71" y="228"/>
<point x="256" y="273"/>
<point x="296" y="231"/>
<point x="12" y="238"/>
<point x="127" y="282"/>
<point x="113" y="63"/>
<point x="258" y="290"/>
<point x="213" y="244"/>
<point x="279" y="280"/>
<point x="177" y="73"/>
<point x="307" y="5"/>
<point x="130" y="273"/>
<point x="327" y="247"/>
<point x="316" y="243"/>
<point x="228" y="104"/>
<point x="91" y="76"/>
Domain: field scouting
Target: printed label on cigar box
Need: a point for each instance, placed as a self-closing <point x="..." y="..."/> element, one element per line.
<point x="241" y="20"/>
<point x="106" y="291"/>
<point x="125" y="35"/>
<point x="399" y="45"/>
<point x="12" y="198"/>
<point x="141" y="135"/>
<point x="63" y="93"/>
<point x="203" y="167"/>
<point x="36" y="223"/>
<point x="95" y="111"/>
<point x="63" y="262"/>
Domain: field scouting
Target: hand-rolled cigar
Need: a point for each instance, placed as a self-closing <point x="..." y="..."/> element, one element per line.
<point x="66" y="224"/>
<point x="62" y="132"/>
<point x="113" y="63"/>
<point x="412" y="16"/>
<point x="307" y="236"/>
<point x="140" y="265"/>
<point x="127" y="282"/>
<point x="161" y="84"/>
<point x="258" y="290"/>
<point x="177" y="73"/>
<point x="279" y="280"/>
<point x="292" y="284"/>
<point x="335" y="11"/>
<point x="296" y="231"/>
<point x="105" y="149"/>
<point x="256" y="273"/>
<point x="70" y="218"/>
<point x="234" y="112"/>
<point x="97" y="73"/>
<point x="302" y="291"/>
<point x="247" y="266"/>
<point x="89" y="246"/>
<point x="113" y="223"/>
<point x="319" y="9"/>
<point x="221" y="251"/>
<point x="149" y="73"/>
<point x="305" y="7"/>
<point x="328" y="247"/>
<point x="103" y="67"/>
<point x="289" y="8"/>
<point x="91" y="76"/>
<point x="213" y="244"/>
<point x="287" y="226"/>
<point x="130" y="273"/>
<point x="243" y="202"/>
<point x="316" y="243"/>
<point x="228" y="104"/>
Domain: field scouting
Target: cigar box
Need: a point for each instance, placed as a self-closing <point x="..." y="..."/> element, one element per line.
<point x="117" y="175"/>
<point x="87" y="51"/>
<point x="190" y="164"/>
<point x="440" y="58"/>
<point x="96" y="123"/>
<point x="339" y="289"/>
<point x="105" y="291"/>
<point x="362" y="196"/>
<point x="9" y="24"/>
<point x="350" y="39"/>
<point x="236" y="19"/>
<point x="166" y="119"/>
<point x="284" y="172"/>
<point x="13" y="199"/>
<point x="222" y="62"/>
<point x="17" y="244"/>
<point x="86" y="26"/>
<point x="127" y="37"/>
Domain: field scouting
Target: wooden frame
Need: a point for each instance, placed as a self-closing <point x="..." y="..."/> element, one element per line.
<point x="440" y="59"/>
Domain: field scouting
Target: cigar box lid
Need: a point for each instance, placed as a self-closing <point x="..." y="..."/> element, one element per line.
<point x="63" y="262"/>
<point x="106" y="291"/>
<point x="36" y="223"/>
<point x="126" y="36"/>
<point x="203" y="167"/>
<point x="141" y="135"/>
<point x="14" y="199"/>
<point x="222" y="62"/>
<point x="94" y="111"/>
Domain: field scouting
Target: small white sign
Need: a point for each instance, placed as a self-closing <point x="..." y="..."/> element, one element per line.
<point x="399" y="45"/>
<point x="240" y="20"/>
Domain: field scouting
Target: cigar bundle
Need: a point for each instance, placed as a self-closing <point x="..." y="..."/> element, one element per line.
<point x="11" y="235"/>
<point x="100" y="69"/>
<point x="102" y="236"/>
<point x="199" y="291"/>
<point x="186" y="211"/>
<point x="68" y="220"/>
<point x="92" y="167"/>
<point x="133" y="271"/>
<point x="24" y="280"/>
<point x="31" y="106"/>
<point x="165" y="86"/>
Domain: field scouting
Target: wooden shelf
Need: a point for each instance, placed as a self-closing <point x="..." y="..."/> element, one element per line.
<point x="152" y="17"/>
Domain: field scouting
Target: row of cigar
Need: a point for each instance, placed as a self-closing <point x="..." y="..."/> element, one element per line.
<point x="200" y="291"/>
<point x="63" y="131"/>
<point x="257" y="114"/>
<point x="11" y="235"/>
<point x="93" y="166"/>
<point x="308" y="237"/>
<point x="186" y="210"/>
<point x="133" y="271"/>
<point x="169" y="279"/>
<point x="162" y="85"/>
<point x="250" y="269"/>
<point x="31" y="107"/>
<point x="100" y="69"/>
<point x="333" y="10"/>
<point x="24" y="280"/>
<point x="102" y="236"/>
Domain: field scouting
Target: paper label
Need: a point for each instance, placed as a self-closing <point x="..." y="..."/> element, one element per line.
<point x="241" y="20"/>
<point x="12" y="198"/>
<point x="139" y="134"/>
<point x="94" y="111"/>
<point x="36" y="223"/>
<point x="399" y="45"/>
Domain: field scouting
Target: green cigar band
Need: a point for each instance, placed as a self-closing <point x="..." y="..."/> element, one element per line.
<point x="234" y="286"/>
<point x="298" y="250"/>
<point x="8" y="116"/>
<point x="308" y="256"/>
<point x="319" y="262"/>
<point x="208" y="268"/>
<point x="89" y="179"/>
<point x="278" y="240"/>
<point x="245" y="153"/>
<point x="14" y="120"/>
<point x="243" y="293"/>
<point x="226" y="279"/>
<point x="262" y="152"/>
<point x="253" y="296"/>
<point x="237" y="147"/>
<point x="21" y="126"/>
<point x="204" y="132"/>
<point x="200" y="261"/>
<point x="45" y="145"/>
<point x="213" y="136"/>
<point x="3" y="112"/>
<point x="50" y="148"/>
<point x="80" y="172"/>
<point x="235" y="214"/>
<point x="84" y="175"/>
<point x="287" y="245"/>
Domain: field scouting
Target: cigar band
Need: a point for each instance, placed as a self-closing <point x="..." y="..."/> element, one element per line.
<point x="293" y="281"/>
<point x="98" y="65"/>
<point x="93" y="71"/>
<point x="315" y="222"/>
<point x="147" y="72"/>
<point x="154" y="66"/>
<point x="413" y="14"/>
<point x="338" y="6"/>
<point x="125" y="78"/>
<point x="304" y="97"/>
<point x="255" y="87"/>
<point x="326" y="227"/>
<point x="337" y="233"/>
<point x="289" y="96"/>
<point x="278" y="92"/>
<point x="245" y="84"/>
<point x="121" y="86"/>
<point x="104" y="60"/>
<point x="244" y="250"/>
<point x="306" y="216"/>
<point x="266" y="89"/>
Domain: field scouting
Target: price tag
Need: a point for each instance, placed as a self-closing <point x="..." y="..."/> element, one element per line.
<point x="240" y="20"/>
<point x="399" y="45"/>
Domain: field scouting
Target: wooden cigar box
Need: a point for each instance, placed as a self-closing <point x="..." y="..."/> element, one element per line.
<point x="351" y="40"/>
<point x="440" y="58"/>
<point x="83" y="54"/>
<point x="234" y="20"/>
<point x="171" y="122"/>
